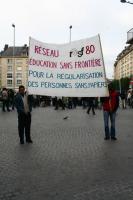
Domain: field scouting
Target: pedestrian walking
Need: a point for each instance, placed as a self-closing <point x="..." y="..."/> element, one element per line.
<point x="91" y="105"/>
<point x="129" y="98"/>
<point x="70" y="103"/>
<point x="123" y="99"/>
<point x="5" y="99"/>
<point x="110" y="105"/>
<point x="11" y="95"/>
<point x="23" y="104"/>
<point x="59" y="103"/>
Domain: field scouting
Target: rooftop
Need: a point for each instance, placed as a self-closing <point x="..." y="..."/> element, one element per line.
<point x="18" y="51"/>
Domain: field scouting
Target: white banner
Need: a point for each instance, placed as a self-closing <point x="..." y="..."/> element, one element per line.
<point x="75" y="69"/>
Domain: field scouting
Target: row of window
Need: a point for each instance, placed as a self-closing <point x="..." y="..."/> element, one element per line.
<point x="10" y="82"/>
<point x="11" y="61"/>
<point x="10" y="75"/>
<point x="17" y="61"/>
<point x="10" y="68"/>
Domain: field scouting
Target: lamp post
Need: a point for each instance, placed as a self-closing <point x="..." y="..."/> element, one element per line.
<point x="14" y="81"/>
<point x="124" y="1"/>
<point x="70" y="27"/>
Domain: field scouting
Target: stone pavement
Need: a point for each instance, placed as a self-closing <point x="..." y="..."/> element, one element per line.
<point x="69" y="159"/>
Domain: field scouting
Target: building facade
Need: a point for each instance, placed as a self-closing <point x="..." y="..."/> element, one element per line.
<point x="123" y="66"/>
<point x="13" y="67"/>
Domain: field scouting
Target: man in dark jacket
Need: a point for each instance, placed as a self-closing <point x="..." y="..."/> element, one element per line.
<point x="110" y="105"/>
<point x="23" y="103"/>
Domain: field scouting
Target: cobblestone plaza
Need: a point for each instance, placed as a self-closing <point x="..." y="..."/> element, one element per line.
<point x="69" y="159"/>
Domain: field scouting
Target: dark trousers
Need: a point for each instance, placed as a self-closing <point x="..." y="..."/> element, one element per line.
<point x="24" y="124"/>
<point x="91" y="107"/>
<point x="5" y="105"/>
<point x="59" y="103"/>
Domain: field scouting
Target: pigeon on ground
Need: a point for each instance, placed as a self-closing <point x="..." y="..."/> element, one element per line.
<point x="65" y="117"/>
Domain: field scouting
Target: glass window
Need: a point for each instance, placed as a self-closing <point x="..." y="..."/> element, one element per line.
<point x="19" y="75"/>
<point x="9" y="61"/>
<point x="19" y="82"/>
<point x="9" y="68"/>
<point x="9" y="82"/>
<point x="19" y="61"/>
<point x="9" y="75"/>
<point x="19" y="68"/>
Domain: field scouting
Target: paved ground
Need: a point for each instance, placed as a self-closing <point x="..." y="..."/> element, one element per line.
<point x="69" y="159"/>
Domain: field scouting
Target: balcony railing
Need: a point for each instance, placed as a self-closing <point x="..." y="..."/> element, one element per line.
<point x="130" y="36"/>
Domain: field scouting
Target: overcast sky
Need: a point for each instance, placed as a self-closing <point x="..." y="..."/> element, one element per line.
<point x="49" y="21"/>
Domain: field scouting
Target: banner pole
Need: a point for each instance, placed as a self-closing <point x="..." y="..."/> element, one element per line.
<point x="102" y="58"/>
<point x="28" y="64"/>
<point x="70" y="27"/>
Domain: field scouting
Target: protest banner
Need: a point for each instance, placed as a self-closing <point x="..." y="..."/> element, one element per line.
<point x="74" y="69"/>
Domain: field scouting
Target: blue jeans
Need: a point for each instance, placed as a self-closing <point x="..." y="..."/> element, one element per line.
<point x="109" y="132"/>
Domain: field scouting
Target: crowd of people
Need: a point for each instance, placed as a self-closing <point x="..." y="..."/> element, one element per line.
<point x="7" y="100"/>
<point x="24" y="103"/>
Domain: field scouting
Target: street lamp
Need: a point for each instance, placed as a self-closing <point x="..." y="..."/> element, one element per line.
<point x="124" y="1"/>
<point x="14" y="81"/>
<point x="70" y="27"/>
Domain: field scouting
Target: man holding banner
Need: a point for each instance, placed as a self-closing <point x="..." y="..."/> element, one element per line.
<point x="110" y="106"/>
<point x="23" y="103"/>
<point x="75" y="69"/>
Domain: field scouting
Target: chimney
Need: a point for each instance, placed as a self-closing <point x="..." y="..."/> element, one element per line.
<point x="5" y="47"/>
